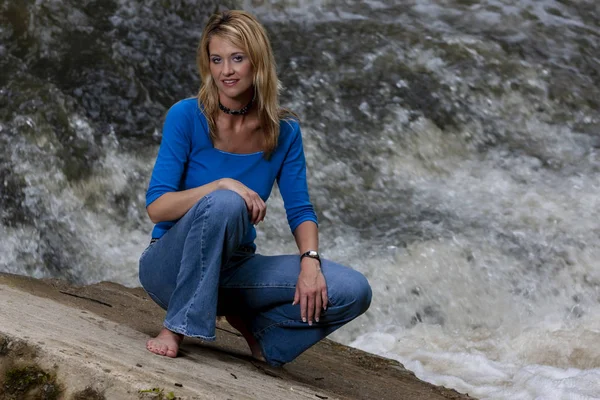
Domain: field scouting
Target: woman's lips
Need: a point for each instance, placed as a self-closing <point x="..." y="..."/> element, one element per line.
<point x="229" y="82"/>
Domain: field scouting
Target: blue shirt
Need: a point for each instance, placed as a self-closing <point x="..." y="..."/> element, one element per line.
<point x="187" y="159"/>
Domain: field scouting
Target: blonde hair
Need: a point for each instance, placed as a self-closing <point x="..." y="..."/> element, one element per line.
<point x="243" y="30"/>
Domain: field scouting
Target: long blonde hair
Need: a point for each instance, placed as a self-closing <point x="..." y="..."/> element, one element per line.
<point x="243" y="30"/>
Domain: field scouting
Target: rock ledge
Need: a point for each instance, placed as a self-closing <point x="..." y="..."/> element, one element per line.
<point x="58" y="341"/>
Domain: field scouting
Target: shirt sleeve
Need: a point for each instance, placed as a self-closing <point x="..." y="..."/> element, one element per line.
<point x="172" y="155"/>
<point x="292" y="182"/>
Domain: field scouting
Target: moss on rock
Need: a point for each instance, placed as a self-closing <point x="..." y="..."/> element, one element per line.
<point x="29" y="382"/>
<point x="89" y="394"/>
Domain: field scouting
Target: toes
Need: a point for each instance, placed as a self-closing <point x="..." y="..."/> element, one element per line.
<point x="163" y="349"/>
<point x="155" y="347"/>
<point x="150" y="345"/>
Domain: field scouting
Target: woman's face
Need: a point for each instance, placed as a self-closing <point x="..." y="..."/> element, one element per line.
<point x="231" y="69"/>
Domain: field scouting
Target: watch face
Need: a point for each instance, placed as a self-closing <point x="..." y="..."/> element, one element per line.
<point x="313" y="253"/>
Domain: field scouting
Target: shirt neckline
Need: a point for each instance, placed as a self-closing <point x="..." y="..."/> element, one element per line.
<point x="236" y="154"/>
<point x="212" y="146"/>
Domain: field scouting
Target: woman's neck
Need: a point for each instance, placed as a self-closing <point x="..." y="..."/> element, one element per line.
<point x="237" y="122"/>
<point x="238" y="102"/>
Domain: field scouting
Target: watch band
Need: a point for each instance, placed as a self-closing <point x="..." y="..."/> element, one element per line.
<point x="311" y="254"/>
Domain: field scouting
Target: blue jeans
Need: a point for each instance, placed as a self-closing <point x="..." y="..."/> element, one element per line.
<point x="199" y="269"/>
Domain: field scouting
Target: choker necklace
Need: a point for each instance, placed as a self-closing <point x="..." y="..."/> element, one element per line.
<point x="242" y="111"/>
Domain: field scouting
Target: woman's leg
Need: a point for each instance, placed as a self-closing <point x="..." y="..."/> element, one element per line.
<point x="261" y="291"/>
<point x="181" y="270"/>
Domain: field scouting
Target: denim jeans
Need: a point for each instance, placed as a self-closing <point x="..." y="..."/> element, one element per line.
<point x="199" y="269"/>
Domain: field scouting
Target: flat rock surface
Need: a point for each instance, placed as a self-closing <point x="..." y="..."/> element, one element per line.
<point x="94" y="337"/>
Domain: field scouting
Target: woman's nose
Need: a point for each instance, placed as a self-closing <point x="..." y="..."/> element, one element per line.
<point x="227" y="68"/>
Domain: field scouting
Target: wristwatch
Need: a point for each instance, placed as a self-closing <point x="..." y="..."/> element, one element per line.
<point x="311" y="254"/>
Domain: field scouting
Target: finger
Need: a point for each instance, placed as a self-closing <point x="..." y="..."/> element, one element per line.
<point x="317" y="307"/>
<point x="262" y="207"/>
<point x="255" y="212"/>
<point x="324" y="298"/>
<point x="296" y="297"/>
<point x="251" y="208"/>
<point x="263" y="212"/>
<point x="311" y="308"/>
<point x="249" y="203"/>
<point x="303" y="305"/>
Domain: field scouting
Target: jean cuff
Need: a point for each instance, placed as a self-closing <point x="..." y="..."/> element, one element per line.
<point x="183" y="332"/>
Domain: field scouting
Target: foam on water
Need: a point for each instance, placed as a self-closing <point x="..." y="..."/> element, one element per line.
<point x="504" y="304"/>
<point x="534" y="364"/>
<point x="88" y="223"/>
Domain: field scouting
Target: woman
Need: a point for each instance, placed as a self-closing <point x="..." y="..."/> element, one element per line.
<point x="219" y="158"/>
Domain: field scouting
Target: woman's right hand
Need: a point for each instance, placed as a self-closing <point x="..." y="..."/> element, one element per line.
<point x="257" y="209"/>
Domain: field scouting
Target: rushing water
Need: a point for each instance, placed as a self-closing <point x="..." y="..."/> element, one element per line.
<point x="452" y="148"/>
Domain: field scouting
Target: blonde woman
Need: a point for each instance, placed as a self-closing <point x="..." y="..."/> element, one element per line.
<point x="220" y="156"/>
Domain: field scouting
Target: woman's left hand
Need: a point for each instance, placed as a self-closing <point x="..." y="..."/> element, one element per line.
<point x="311" y="290"/>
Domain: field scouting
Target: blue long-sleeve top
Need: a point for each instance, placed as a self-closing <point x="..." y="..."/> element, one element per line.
<point x="187" y="159"/>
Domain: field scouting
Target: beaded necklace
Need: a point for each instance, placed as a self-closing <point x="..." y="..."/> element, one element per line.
<point x="242" y="111"/>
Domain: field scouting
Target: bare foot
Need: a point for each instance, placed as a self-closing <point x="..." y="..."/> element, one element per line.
<point x="238" y="324"/>
<point x="165" y="344"/>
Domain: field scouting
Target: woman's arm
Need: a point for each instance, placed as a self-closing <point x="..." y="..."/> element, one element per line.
<point x="292" y="180"/>
<point x="311" y="289"/>
<point x="173" y="205"/>
<point x="164" y="200"/>
<point x="307" y="237"/>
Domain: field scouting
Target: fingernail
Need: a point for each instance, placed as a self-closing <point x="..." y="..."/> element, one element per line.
<point x="316" y="319"/>
<point x="303" y="319"/>
<point x="309" y="323"/>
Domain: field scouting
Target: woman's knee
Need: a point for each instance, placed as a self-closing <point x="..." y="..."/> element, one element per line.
<point x="226" y="204"/>
<point x="363" y="292"/>
<point x="349" y="289"/>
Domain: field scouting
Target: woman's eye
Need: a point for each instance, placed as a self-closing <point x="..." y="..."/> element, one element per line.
<point x="216" y="60"/>
<point x="238" y="58"/>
